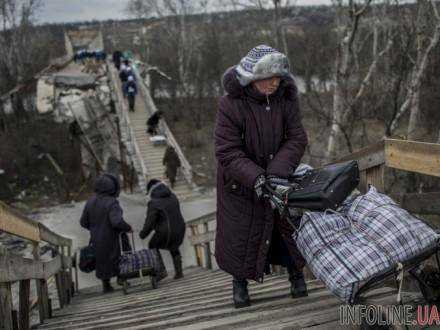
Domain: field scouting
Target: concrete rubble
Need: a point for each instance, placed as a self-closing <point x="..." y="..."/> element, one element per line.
<point x="74" y="80"/>
<point x="45" y="94"/>
<point x="84" y="100"/>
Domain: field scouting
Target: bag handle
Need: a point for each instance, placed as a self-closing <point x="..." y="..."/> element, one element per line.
<point x="133" y="246"/>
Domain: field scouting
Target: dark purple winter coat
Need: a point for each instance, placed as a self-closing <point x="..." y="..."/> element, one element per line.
<point x="102" y="216"/>
<point x="250" y="141"/>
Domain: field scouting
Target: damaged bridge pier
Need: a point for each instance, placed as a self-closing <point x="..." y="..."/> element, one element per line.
<point x="88" y="96"/>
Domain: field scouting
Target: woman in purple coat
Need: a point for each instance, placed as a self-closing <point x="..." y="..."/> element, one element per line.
<point x="102" y="216"/>
<point x="258" y="137"/>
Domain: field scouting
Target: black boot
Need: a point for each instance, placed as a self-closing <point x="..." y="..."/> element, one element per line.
<point x="240" y="293"/>
<point x="298" y="286"/>
<point x="120" y="281"/>
<point x="106" y="286"/>
<point x="177" y="261"/>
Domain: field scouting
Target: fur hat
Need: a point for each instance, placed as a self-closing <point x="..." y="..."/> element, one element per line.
<point x="260" y="63"/>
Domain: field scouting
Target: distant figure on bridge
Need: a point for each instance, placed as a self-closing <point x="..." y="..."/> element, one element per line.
<point x="117" y="59"/>
<point x="123" y="74"/>
<point x="166" y="220"/>
<point x="258" y="136"/>
<point x="102" y="216"/>
<point x="100" y="55"/>
<point x="130" y="73"/>
<point x="130" y="92"/>
<point x="80" y="56"/>
<point x="172" y="163"/>
<point x="153" y="122"/>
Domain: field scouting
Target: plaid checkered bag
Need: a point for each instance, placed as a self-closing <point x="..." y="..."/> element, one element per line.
<point x="143" y="259"/>
<point x="369" y="236"/>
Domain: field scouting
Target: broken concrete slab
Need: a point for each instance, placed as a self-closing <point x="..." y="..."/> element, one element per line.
<point x="76" y="80"/>
<point x="45" y="95"/>
<point x="104" y="89"/>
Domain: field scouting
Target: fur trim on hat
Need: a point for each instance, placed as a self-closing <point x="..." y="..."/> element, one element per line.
<point x="234" y="89"/>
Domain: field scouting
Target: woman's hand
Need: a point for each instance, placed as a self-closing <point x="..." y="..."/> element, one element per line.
<point x="259" y="185"/>
<point x="275" y="181"/>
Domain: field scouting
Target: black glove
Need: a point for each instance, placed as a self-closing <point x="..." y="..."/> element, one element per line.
<point x="280" y="187"/>
<point x="276" y="203"/>
<point x="259" y="185"/>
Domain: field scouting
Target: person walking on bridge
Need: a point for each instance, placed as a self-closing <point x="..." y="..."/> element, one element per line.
<point x="172" y="163"/>
<point x="117" y="55"/>
<point x="102" y="216"/>
<point x="130" y="73"/>
<point x="166" y="220"/>
<point x="123" y="74"/>
<point x="130" y="92"/>
<point x="258" y="136"/>
<point x="153" y="122"/>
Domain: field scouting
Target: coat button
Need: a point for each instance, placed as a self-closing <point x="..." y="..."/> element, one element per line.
<point x="267" y="242"/>
<point x="271" y="156"/>
<point x="234" y="186"/>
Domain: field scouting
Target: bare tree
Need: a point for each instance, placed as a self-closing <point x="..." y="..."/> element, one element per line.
<point x="349" y="84"/>
<point x="174" y="15"/>
<point x="425" y="44"/>
<point x="16" y="38"/>
<point x="278" y="24"/>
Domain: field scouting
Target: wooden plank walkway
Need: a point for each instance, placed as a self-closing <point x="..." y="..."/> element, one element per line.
<point x="202" y="300"/>
<point x="151" y="155"/>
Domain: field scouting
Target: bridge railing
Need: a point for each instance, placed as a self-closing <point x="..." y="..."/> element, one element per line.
<point x="417" y="157"/>
<point x="201" y="238"/>
<point x="15" y="268"/>
<point x="410" y="156"/>
<point x="122" y="109"/>
<point x="151" y="108"/>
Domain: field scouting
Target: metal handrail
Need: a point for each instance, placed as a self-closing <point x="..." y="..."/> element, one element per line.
<point x="123" y="113"/>
<point x="151" y="108"/>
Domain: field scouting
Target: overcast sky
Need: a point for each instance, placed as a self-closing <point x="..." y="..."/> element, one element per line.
<point x="85" y="10"/>
<point x="80" y="10"/>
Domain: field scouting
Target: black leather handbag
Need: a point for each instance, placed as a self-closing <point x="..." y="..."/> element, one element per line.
<point x="87" y="259"/>
<point x="324" y="188"/>
<point x="318" y="189"/>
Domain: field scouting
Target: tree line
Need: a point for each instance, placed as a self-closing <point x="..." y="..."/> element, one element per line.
<point x="358" y="60"/>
